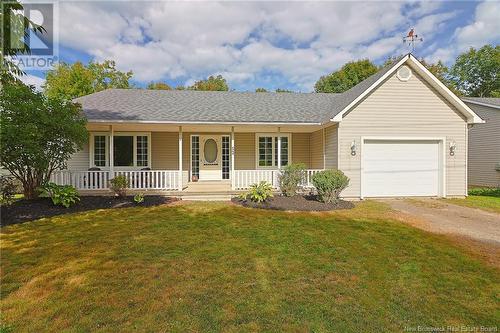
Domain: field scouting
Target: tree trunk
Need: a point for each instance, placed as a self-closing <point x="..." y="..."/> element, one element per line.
<point x="30" y="191"/>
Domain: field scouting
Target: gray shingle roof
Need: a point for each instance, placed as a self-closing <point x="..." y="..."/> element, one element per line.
<point x="486" y="100"/>
<point x="219" y="106"/>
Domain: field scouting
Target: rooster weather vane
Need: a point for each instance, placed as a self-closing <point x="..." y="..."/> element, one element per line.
<point x="411" y="39"/>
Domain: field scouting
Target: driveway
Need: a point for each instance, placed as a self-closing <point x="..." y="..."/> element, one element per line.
<point x="441" y="217"/>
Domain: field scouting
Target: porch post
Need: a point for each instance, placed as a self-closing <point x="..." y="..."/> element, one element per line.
<point x="111" y="152"/>
<point x="180" y="158"/>
<point x="232" y="157"/>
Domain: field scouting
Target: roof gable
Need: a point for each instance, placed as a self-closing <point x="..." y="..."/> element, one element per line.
<point x="363" y="89"/>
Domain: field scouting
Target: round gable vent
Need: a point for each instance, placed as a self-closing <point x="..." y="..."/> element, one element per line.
<point x="404" y="73"/>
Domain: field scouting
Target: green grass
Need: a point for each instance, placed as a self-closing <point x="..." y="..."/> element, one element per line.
<point x="213" y="267"/>
<point x="482" y="198"/>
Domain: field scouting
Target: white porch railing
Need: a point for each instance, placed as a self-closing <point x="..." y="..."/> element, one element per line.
<point x="138" y="180"/>
<point x="244" y="178"/>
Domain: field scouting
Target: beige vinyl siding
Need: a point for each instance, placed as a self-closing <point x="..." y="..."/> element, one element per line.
<point x="404" y="109"/>
<point x="80" y="160"/>
<point x="300" y="148"/>
<point x="484" y="147"/>
<point x="165" y="150"/>
<point x="316" y="150"/>
<point x="244" y="151"/>
<point x="331" y="147"/>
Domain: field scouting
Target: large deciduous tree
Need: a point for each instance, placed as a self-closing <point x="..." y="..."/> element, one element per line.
<point x="213" y="83"/>
<point x="38" y="134"/>
<point x="476" y="73"/>
<point x="68" y="81"/>
<point x="347" y="77"/>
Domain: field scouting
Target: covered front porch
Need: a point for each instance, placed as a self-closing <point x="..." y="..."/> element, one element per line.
<point x="183" y="159"/>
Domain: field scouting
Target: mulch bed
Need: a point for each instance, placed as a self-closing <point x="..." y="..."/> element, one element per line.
<point x="28" y="210"/>
<point x="295" y="203"/>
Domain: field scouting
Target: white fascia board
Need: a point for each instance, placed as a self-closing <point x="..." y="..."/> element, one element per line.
<point x="338" y="116"/>
<point x="106" y="121"/>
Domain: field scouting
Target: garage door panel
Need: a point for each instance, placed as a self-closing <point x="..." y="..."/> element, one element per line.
<point x="401" y="168"/>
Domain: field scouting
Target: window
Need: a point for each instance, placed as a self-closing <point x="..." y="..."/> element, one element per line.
<point x="195" y="156"/>
<point x="267" y="150"/>
<point x="142" y="150"/>
<point x="129" y="150"/>
<point x="225" y="157"/>
<point x="123" y="150"/>
<point x="100" y="150"/>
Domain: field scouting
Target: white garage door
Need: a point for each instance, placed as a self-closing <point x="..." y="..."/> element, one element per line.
<point x="400" y="168"/>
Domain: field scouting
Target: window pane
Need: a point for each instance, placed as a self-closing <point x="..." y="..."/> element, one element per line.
<point x="123" y="150"/>
<point x="142" y="150"/>
<point x="100" y="150"/>
<point x="210" y="151"/>
<point x="284" y="151"/>
<point x="265" y="151"/>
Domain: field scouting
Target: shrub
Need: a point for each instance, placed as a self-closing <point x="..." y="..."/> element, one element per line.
<point x="139" y="198"/>
<point x="329" y="184"/>
<point x="7" y="189"/>
<point x="485" y="191"/>
<point x="63" y="195"/>
<point x="290" y="178"/>
<point x="258" y="192"/>
<point x="119" y="185"/>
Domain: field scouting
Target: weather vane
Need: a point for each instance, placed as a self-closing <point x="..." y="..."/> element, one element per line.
<point x="412" y="38"/>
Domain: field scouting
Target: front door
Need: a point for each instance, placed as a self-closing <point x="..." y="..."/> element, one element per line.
<point x="210" y="157"/>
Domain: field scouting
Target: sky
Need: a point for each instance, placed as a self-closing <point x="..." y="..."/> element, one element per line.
<point x="286" y="45"/>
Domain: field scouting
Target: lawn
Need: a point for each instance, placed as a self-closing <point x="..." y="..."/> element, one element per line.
<point x="210" y="267"/>
<point x="482" y="198"/>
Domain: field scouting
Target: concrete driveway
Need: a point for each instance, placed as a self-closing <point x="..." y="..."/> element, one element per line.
<point x="441" y="217"/>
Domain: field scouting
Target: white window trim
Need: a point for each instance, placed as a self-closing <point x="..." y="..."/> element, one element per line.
<point x="273" y="135"/>
<point x="107" y="135"/>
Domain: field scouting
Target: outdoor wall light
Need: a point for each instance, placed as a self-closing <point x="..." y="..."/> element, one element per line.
<point x="453" y="147"/>
<point x="353" y="148"/>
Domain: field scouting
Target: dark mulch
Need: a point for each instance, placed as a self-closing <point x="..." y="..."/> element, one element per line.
<point x="296" y="203"/>
<point x="28" y="210"/>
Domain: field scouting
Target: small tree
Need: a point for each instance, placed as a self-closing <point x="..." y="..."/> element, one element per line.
<point x="290" y="178"/>
<point x="38" y="134"/>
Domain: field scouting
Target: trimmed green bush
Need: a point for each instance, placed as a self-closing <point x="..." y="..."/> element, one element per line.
<point x="258" y="192"/>
<point x="119" y="185"/>
<point x="329" y="184"/>
<point x="290" y="178"/>
<point x="485" y="191"/>
<point x="61" y="195"/>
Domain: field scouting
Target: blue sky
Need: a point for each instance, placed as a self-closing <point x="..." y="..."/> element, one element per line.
<point x="264" y="44"/>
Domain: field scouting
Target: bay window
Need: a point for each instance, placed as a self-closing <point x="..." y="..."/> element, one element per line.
<point x="267" y="150"/>
<point x="130" y="150"/>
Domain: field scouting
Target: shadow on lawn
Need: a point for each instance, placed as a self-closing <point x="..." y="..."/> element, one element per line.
<point x="27" y="210"/>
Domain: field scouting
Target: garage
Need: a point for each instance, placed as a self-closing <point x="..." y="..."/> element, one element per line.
<point x="395" y="167"/>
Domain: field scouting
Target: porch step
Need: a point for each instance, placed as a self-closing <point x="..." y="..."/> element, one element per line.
<point x="207" y="197"/>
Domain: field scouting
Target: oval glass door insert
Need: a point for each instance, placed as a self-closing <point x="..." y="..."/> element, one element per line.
<point x="210" y="151"/>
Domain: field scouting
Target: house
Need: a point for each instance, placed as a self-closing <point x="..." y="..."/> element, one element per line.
<point x="400" y="132"/>
<point x="484" y="143"/>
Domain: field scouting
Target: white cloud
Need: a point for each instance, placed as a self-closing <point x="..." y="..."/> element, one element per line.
<point x="484" y="29"/>
<point x="298" y="41"/>
<point x="33" y="80"/>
